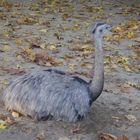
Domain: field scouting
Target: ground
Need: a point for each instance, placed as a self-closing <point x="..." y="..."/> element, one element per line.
<point x="56" y="34"/>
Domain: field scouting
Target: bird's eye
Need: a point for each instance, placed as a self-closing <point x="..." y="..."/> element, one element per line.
<point x="100" y="30"/>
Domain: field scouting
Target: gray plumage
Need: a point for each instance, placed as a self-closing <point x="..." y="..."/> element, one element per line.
<point x="54" y="94"/>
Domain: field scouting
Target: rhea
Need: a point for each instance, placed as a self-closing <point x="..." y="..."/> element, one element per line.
<point x="55" y="94"/>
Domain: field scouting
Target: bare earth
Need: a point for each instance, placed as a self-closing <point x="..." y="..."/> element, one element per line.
<point x="53" y="34"/>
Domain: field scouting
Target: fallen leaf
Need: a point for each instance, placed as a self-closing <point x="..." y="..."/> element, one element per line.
<point x="110" y="14"/>
<point x="45" y="60"/>
<point x="12" y="71"/>
<point x="6" y="5"/>
<point x="58" y="36"/>
<point x="130" y="35"/>
<point x="27" y="53"/>
<point x="106" y="136"/>
<point x="46" y="10"/>
<point x="135" y="85"/>
<point x="2" y="125"/>
<point x="18" y="41"/>
<point x="9" y="121"/>
<point x="123" y="138"/>
<point x="125" y="88"/>
<point x="72" y="67"/>
<point x="44" y="30"/>
<point x="25" y="20"/>
<point x="87" y="65"/>
<point x="15" y="114"/>
<point x="52" y="47"/>
<point x="4" y="82"/>
<point x="117" y="29"/>
<point x="131" y="118"/>
<point x="4" y="48"/>
<point x="43" y="46"/>
<point x="63" y="138"/>
<point x="65" y="16"/>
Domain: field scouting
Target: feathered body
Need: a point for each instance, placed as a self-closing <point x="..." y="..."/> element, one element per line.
<point x="54" y="94"/>
<point x="49" y="93"/>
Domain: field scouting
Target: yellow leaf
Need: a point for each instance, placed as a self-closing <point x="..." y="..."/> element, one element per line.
<point x="117" y="29"/>
<point x="131" y="118"/>
<point x="46" y="10"/>
<point x="52" y="47"/>
<point x="87" y="65"/>
<point x="107" y="60"/>
<point x="122" y="60"/>
<point x="107" y="38"/>
<point x="110" y="14"/>
<point x="64" y="138"/>
<point x="72" y="67"/>
<point x="43" y="46"/>
<point x="5" y="82"/>
<point x="130" y="35"/>
<point x="2" y="125"/>
<point x="135" y="85"/>
<point x="19" y="57"/>
<point x="25" y="20"/>
<point x="28" y="53"/>
<point x="5" y="48"/>
<point x="18" y="41"/>
<point x="15" y="114"/>
<point x="126" y="67"/>
<point x="135" y="27"/>
<point x="65" y="16"/>
<point x="44" y="30"/>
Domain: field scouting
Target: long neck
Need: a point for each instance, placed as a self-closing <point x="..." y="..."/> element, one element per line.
<point x="97" y="83"/>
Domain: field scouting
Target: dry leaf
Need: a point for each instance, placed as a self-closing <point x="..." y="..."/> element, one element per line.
<point x="44" y="30"/>
<point x="25" y="20"/>
<point x="45" y="60"/>
<point x="27" y="54"/>
<point x="12" y="71"/>
<point x="131" y="118"/>
<point x="106" y="136"/>
<point x="18" y="41"/>
<point x="9" y="121"/>
<point x="64" y="138"/>
<point x="72" y="67"/>
<point x="7" y="6"/>
<point x="15" y="114"/>
<point x="125" y="88"/>
<point x="2" y="125"/>
<point x="43" y="46"/>
<point x="58" y="36"/>
<point x="65" y="16"/>
<point x="130" y="35"/>
<point x="123" y="138"/>
<point x="4" y="48"/>
<point x="135" y="85"/>
<point x="5" y="82"/>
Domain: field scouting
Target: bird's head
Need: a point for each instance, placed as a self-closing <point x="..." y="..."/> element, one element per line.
<point x="101" y="29"/>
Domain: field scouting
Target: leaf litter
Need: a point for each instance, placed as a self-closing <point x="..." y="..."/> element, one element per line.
<point x="40" y="53"/>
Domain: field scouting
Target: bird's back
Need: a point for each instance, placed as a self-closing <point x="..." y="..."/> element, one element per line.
<point x="48" y="93"/>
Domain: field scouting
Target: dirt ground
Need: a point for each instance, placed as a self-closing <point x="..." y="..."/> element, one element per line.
<point x="53" y="33"/>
